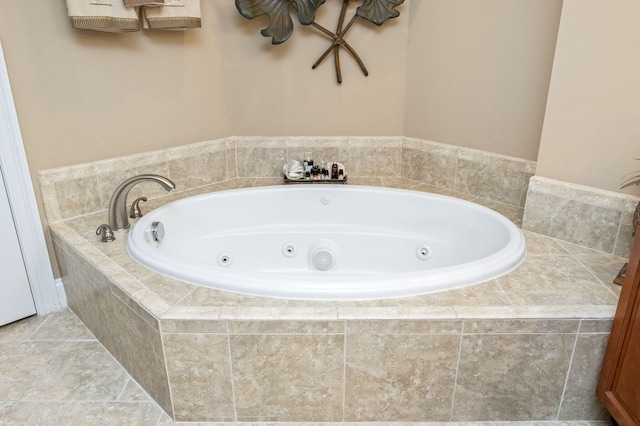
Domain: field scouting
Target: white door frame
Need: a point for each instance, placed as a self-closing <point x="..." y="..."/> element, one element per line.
<point x="15" y="170"/>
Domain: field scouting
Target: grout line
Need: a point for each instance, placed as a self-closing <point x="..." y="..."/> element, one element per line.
<point x="566" y="380"/>
<point x="123" y="389"/>
<point x="60" y="340"/>
<point x="455" y="381"/>
<point x="159" y="417"/>
<point x="46" y="319"/>
<point x="344" y="374"/>
<point x="497" y="280"/>
<point x="615" y="242"/>
<point x="90" y="401"/>
<point x="231" y="375"/>
<point x="177" y="303"/>
<point x="166" y="370"/>
<point x="593" y="274"/>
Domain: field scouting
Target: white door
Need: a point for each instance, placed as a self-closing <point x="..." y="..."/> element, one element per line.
<point x="16" y="301"/>
<point x="20" y="223"/>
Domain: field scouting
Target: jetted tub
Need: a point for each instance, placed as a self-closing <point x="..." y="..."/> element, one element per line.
<point x="327" y="242"/>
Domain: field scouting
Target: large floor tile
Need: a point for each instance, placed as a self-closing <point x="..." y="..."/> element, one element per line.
<point x="62" y="325"/>
<point x="80" y="371"/>
<point x="29" y="413"/>
<point x="21" y="363"/>
<point x="109" y="414"/>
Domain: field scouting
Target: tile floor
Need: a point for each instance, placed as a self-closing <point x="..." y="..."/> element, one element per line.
<point x="53" y="371"/>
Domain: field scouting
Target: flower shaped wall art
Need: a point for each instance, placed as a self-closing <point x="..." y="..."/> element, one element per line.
<point x="281" y="24"/>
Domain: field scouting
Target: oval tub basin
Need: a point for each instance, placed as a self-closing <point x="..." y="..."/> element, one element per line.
<point x="327" y="242"/>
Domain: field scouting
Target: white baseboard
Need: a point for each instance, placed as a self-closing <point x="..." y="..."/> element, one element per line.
<point x="62" y="296"/>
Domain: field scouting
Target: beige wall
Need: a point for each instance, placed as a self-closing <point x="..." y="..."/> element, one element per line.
<point x="478" y="72"/>
<point x="84" y="95"/>
<point x="592" y="125"/>
<point x="472" y="79"/>
<point x="274" y="91"/>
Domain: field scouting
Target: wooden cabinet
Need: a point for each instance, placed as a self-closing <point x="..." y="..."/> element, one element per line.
<point x="619" y="385"/>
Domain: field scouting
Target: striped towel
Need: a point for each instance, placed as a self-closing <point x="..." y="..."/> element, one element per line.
<point x="102" y="15"/>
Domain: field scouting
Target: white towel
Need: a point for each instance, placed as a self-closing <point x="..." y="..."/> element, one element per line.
<point x="135" y="3"/>
<point x="174" y="15"/>
<point x="102" y="15"/>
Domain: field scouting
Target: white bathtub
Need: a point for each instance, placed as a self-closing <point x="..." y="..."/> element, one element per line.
<point x="327" y="242"/>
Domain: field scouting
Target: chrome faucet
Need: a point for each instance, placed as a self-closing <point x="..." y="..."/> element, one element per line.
<point x="118" y="217"/>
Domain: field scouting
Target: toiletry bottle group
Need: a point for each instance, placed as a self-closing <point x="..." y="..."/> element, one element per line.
<point x="314" y="171"/>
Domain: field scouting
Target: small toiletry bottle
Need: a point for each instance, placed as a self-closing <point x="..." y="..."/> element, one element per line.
<point x="334" y="170"/>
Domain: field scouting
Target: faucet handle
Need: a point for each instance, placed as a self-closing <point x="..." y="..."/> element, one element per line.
<point x="135" y="208"/>
<point x="106" y="233"/>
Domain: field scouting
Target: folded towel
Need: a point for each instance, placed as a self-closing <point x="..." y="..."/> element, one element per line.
<point x="174" y="15"/>
<point x="102" y="15"/>
<point x="135" y="3"/>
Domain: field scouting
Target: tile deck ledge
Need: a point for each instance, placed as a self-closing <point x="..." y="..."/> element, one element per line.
<point x="165" y="299"/>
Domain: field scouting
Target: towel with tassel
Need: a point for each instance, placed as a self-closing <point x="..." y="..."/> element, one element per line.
<point x="136" y="3"/>
<point x="174" y="15"/>
<point x="102" y="15"/>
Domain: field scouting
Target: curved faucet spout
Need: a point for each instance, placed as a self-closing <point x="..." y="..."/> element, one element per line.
<point x="118" y="218"/>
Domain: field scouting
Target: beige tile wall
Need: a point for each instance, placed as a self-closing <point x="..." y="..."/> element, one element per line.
<point x="590" y="217"/>
<point x="385" y="370"/>
<point x="86" y="188"/>
<point x="492" y="176"/>
<point x="132" y="336"/>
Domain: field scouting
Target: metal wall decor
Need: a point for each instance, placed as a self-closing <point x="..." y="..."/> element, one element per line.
<point x="281" y="25"/>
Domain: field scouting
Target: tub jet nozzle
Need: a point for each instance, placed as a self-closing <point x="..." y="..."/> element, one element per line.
<point x="323" y="259"/>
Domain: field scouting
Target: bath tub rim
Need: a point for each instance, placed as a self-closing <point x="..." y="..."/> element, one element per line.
<point x="488" y="268"/>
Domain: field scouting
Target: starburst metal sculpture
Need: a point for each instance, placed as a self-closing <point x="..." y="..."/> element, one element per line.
<point x="281" y="25"/>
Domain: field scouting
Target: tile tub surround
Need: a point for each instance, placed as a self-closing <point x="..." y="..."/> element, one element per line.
<point x="464" y="170"/>
<point x="476" y="354"/>
<point x="86" y="188"/>
<point x="488" y="175"/>
<point x="591" y="217"/>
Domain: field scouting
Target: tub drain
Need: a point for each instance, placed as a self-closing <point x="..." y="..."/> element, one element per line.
<point x="323" y="259"/>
